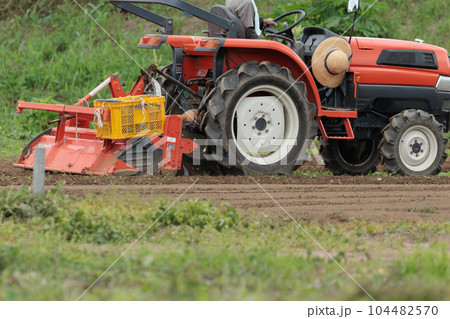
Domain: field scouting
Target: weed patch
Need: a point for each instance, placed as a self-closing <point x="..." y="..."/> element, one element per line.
<point x="421" y="275"/>
<point x="429" y="209"/>
<point x="313" y="173"/>
<point x="21" y="204"/>
<point x="103" y="222"/>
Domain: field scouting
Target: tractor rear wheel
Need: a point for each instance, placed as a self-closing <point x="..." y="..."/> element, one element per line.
<point x="260" y="120"/>
<point x="413" y="144"/>
<point x="355" y="157"/>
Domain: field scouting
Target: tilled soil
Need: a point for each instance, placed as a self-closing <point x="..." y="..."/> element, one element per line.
<point x="323" y="198"/>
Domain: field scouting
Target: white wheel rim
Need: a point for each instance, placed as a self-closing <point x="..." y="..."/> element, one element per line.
<point x="281" y="141"/>
<point x="418" y="148"/>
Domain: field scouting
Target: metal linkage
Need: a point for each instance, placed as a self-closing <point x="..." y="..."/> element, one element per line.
<point x="154" y="68"/>
<point x="188" y="10"/>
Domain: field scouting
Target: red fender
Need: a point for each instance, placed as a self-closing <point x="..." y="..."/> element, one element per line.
<point x="201" y="52"/>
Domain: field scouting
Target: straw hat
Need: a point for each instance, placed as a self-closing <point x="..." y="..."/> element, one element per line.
<point x="330" y="61"/>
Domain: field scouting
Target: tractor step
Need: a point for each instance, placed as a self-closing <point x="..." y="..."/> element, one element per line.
<point x="337" y="123"/>
<point x="338" y="112"/>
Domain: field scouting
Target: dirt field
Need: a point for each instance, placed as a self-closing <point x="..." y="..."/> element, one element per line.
<point x="324" y="198"/>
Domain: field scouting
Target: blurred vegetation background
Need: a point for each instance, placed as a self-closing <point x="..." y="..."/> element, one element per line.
<point x="51" y="51"/>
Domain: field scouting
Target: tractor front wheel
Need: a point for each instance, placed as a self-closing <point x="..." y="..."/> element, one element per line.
<point x="260" y="120"/>
<point x="413" y="144"/>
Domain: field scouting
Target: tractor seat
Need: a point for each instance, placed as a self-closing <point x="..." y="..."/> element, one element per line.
<point x="224" y="12"/>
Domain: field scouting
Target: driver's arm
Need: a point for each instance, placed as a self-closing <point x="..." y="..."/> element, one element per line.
<point x="250" y="32"/>
<point x="269" y="22"/>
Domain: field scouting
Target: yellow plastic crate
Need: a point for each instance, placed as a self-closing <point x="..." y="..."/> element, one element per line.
<point x="131" y="116"/>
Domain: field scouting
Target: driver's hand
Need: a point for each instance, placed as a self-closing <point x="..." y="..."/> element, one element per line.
<point x="269" y="22"/>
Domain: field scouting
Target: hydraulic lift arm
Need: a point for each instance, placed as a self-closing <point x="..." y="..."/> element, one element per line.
<point x="188" y="10"/>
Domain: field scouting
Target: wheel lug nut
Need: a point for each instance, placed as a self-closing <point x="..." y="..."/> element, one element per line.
<point x="415" y="141"/>
<point x="421" y="151"/>
<point x="267" y="131"/>
<point x="253" y="127"/>
<point x="410" y="145"/>
<point x="417" y="155"/>
<point x="421" y="144"/>
<point x="259" y="133"/>
<point x="268" y="122"/>
<point x="411" y="152"/>
<point x="264" y="115"/>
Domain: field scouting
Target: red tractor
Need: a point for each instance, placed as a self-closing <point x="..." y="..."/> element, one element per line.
<point x="391" y="103"/>
<point x="254" y="106"/>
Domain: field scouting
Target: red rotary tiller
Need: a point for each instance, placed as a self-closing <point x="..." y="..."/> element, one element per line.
<point x="133" y="135"/>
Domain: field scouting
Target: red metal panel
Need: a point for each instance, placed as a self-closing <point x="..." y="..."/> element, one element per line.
<point x="391" y="75"/>
<point x="339" y="114"/>
<point x="116" y="88"/>
<point x="172" y="154"/>
<point x="196" y="67"/>
<point x="138" y="87"/>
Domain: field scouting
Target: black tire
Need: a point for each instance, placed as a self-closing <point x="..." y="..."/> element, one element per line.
<point x="354" y="157"/>
<point x="261" y="79"/>
<point x="413" y="144"/>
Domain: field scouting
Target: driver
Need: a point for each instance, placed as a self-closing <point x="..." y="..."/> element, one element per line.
<point x="247" y="12"/>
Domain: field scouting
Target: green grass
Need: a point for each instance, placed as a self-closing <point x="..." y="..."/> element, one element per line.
<point x="313" y="173"/>
<point x="417" y="19"/>
<point x="429" y="209"/>
<point x="54" y="247"/>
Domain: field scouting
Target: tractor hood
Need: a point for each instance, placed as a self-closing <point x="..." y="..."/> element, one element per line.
<point x="397" y="62"/>
<point x="402" y="52"/>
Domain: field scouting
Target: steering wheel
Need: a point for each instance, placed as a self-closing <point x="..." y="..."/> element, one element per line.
<point x="285" y="34"/>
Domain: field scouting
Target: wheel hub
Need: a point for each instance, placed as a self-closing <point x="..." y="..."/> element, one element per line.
<point x="418" y="147"/>
<point x="261" y="124"/>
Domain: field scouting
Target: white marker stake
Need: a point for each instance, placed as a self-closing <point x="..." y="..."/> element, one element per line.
<point x="39" y="171"/>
